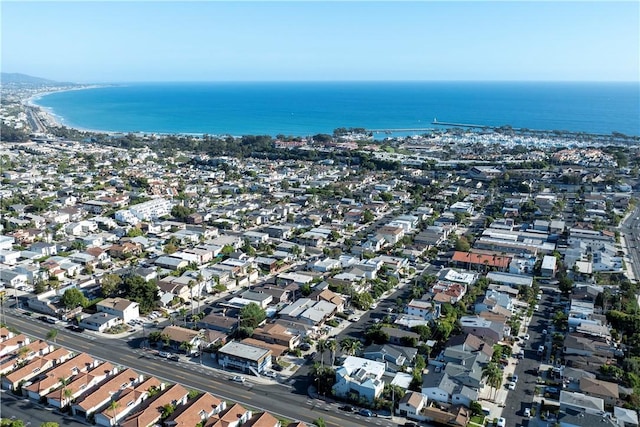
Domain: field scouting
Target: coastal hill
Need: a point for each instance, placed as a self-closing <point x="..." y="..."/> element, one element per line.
<point x="26" y="80"/>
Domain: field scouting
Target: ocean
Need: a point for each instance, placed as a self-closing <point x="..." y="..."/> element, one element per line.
<point x="309" y="108"/>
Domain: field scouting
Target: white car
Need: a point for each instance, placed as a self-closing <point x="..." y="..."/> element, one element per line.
<point x="511" y="385"/>
<point x="536" y="307"/>
<point x="501" y="422"/>
<point x="526" y="337"/>
<point x="527" y="412"/>
<point x="374" y="306"/>
<point x="238" y="379"/>
<point x="270" y="374"/>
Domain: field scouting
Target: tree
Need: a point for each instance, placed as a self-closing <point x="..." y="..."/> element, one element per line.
<point x="321" y="346"/>
<point x="52" y="335"/>
<point x="113" y="406"/>
<point x="367" y="216"/>
<point x="252" y="315"/>
<point x="332" y="346"/>
<point x="350" y="346"/>
<point x="109" y="284"/>
<point x="493" y="374"/>
<point x="66" y="392"/>
<point x="183" y="312"/>
<point x="49" y="424"/>
<point x="73" y="298"/>
<point x="167" y="410"/>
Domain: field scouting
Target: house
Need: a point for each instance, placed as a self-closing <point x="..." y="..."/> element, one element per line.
<point x="625" y="417"/>
<point x="264" y="419"/>
<point x="151" y="412"/>
<point x="411" y="405"/>
<point x="421" y="308"/>
<point x="277" y="334"/>
<point x="12" y="344"/>
<point x="438" y="387"/>
<point x="581" y="402"/>
<point x="393" y="356"/>
<point x="100" y="322"/>
<point x="605" y="390"/>
<point x="396" y="336"/>
<point x="492" y="332"/>
<point x="51" y="379"/>
<point x="126" y="401"/>
<point x="183" y="339"/>
<point x="359" y="376"/>
<point x="197" y="410"/>
<point x="123" y="308"/>
<point x="80" y="384"/>
<point x="549" y="266"/>
<point x="235" y="416"/>
<point x="245" y="358"/>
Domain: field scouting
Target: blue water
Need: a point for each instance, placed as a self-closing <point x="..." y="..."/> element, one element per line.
<point x="310" y="108"/>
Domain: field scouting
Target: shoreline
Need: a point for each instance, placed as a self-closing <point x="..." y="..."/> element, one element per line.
<point x="52" y="119"/>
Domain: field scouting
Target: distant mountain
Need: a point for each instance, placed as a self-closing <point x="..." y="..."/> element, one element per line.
<point x="23" y="79"/>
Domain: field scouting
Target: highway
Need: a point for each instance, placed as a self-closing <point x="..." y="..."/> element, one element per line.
<point x="630" y="229"/>
<point x="279" y="399"/>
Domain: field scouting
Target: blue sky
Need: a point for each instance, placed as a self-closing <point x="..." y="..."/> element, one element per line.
<point x="300" y="40"/>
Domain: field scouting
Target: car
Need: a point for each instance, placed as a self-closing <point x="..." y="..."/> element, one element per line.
<point x="540" y="350"/>
<point x="514" y="378"/>
<point x="520" y="355"/>
<point x="174" y="357"/>
<point x="511" y="386"/>
<point x="365" y="413"/>
<point x="410" y="424"/>
<point x="390" y="310"/>
<point x="536" y="307"/>
<point x="164" y="354"/>
<point x="527" y="412"/>
<point x="238" y="379"/>
<point x="374" y="306"/>
<point x="501" y="422"/>
<point x="305" y="346"/>
<point x="347" y="408"/>
<point x="539" y="297"/>
<point x="311" y="356"/>
<point x="277" y="368"/>
<point x="376" y="321"/>
<point x="270" y="374"/>
<point x="526" y="337"/>
<point x="552" y="390"/>
<point x="355" y="319"/>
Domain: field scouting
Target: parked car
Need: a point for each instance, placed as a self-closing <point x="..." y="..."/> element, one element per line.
<point x="511" y="386"/>
<point x="305" y="346"/>
<point x="501" y="422"/>
<point x="276" y="368"/>
<point x="270" y="374"/>
<point x="164" y="354"/>
<point x="238" y="379"/>
<point x="527" y="412"/>
<point x="347" y="408"/>
<point x="365" y="413"/>
<point x="174" y="357"/>
<point x="526" y="337"/>
<point x="514" y="378"/>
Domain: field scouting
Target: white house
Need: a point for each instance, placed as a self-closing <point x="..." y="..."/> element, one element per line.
<point x="120" y="307"/>
<point x="360" y="376"/>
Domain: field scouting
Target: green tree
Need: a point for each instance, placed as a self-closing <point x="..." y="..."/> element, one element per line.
<point x="367" y="216"/>
<point x="251" y="315"/>
<point x="52" y="335"/>
<point x="109" y="284"/>
<point x="73" y="298"/>
<point x="49" y="424"/>
<point x="492" y="373"/>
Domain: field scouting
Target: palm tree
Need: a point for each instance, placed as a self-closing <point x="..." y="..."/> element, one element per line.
<point x="321" y="346"/>
<point x="355" y="347"/>
<point x="332" y="345"/>
<point x="186" y="346"/>
<point x="493" y="374"/>
<point x="183" y="312"/>
<point x="114" y="405"/>
<point x="66" y="393"/>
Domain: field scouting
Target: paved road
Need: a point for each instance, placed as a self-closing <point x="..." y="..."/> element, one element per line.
<point x="522" y="396"/>
<point x="279" y="399"/>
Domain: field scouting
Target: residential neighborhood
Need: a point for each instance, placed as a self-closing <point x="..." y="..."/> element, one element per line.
<point x="447" y="279"/>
